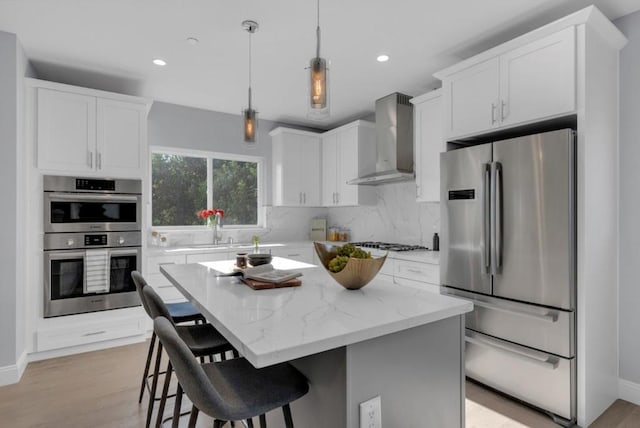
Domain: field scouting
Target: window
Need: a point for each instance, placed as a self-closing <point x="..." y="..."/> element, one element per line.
<point x="184" y="183"/>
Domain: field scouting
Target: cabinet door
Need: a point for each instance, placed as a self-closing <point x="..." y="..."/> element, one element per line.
<point x="429" y="143"/>
<point x="472" y="99"/>
<point x="286" y="172"/>
<point x="121" y="137"/>
<point x="308" y="162"/>
<point x="538" y="79"/>
<point x="329" y="169"/>
<point x="65" y="131"/>
<point x="347" y="163"/>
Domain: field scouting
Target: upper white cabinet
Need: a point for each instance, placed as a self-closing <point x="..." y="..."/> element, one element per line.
<point x="348" y="152"/>
<point x="86" y="131"/>
<point x="429" y="142"/>
<point x="296" y="167"/>
<point x="532" y="82"/>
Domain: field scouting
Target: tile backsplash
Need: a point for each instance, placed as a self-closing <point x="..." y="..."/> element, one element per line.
<point x="396" y="217"/>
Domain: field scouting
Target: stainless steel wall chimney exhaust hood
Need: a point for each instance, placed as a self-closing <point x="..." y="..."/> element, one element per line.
<point x="394" y="141"/>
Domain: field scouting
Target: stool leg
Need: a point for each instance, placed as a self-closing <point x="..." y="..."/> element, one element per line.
<point x="236" y="354"/>
<point x="154" y="384"/>
<point x="218" y="423"/>
<point x="249" y="423"/>
<point x="288" y="421"/>
<point x="176" y="407"/>
<point x="165" y="392"/>
<point x="194" y="417"/>
<point x="263" y="421"/>
<point x="146" y="366"/>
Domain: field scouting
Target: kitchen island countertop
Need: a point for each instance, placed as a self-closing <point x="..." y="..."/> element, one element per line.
<point x="272" y="326"/>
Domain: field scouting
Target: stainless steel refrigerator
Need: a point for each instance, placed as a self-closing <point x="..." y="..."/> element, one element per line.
<point x="509" y="245"/>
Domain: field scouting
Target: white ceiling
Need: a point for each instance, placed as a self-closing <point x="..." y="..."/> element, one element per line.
<point x="109" y="44"/>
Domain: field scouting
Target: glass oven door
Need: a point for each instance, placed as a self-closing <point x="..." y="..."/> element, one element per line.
<point x="65" y="278"/>
<point x="83" y="212"/>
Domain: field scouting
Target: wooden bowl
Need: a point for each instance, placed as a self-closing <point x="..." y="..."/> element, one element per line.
<point x="356" y="274"/>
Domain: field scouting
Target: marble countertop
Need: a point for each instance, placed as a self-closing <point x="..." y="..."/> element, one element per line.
<point x="272" y="326"/>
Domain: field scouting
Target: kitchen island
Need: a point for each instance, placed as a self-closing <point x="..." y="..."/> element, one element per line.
<point x="399" y="343"/>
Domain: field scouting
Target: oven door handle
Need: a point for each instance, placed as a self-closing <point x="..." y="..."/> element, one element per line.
<point x="87" y="197"/>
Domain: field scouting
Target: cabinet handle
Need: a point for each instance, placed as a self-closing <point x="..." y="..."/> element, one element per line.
<point x="493" y="113"/>
<point x="99" y="161"/>
<point x="414" y="270"/>
<point x="90" y="158"/>
<point x="304" y="197"/>
<point x="503" y="106"/>
<point x="95" y="333"/>
<point x="166" y="263"/>
<point x="334" y="197"/>
<point x="337" y="197"/>
<point x="293" y="255"/>
<point x="165" y="286"/>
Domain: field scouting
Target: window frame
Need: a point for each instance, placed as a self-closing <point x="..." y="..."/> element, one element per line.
<point x="209" y="156"/>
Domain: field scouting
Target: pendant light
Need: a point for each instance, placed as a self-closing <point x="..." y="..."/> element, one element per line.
<point x="318" y="80"/>
<point x="249" y="115"/>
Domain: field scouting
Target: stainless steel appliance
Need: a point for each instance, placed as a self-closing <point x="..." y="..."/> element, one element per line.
<point x="509" y="245"/>
<point x="394" y="141"/>
<point x="92" y="243"/>
<point x="388" y="246"/>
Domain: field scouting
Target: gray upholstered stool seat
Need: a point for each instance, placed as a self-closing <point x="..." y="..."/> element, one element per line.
<point x="250" y="392"/>
<point x="184" y="312"/>
<point x="230" y="390"/>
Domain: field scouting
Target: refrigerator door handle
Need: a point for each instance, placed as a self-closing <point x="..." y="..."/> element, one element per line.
<point x="548" y="317"/>
<point x="498" y="216"/>
<point x="486" y="215"/>
<point x="536" y="357"/>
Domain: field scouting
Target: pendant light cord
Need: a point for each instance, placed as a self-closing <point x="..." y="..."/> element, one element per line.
<point x="318" y="31"/>
<point x="249" y="69"/>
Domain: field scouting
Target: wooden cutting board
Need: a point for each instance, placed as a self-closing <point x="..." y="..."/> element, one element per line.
<point x="262" y="285"/>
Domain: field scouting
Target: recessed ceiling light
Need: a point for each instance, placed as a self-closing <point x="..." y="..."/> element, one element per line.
<point x="383" y="58"/>
<point x="192" y="40"/>
<point x="160" y="62"/>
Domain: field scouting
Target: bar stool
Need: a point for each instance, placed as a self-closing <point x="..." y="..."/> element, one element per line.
<point x="231" y="390"/>
<point x="201" y="339"/>
<point x="204" y="339"/>
<point x="180" y="313"/>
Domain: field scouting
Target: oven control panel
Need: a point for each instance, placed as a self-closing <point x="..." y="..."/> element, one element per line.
<point x="95" y="240"/>
<point x="68" y="241"/>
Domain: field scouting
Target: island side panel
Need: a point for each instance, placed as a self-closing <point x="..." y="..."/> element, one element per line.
<point x="325" y="405"/>
<point x="417" y="373"/>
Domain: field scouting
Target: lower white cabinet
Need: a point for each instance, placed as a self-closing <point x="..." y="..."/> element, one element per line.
<point x="417" y="274"/>
<point x="83" y="329"/>
<point x="301" y="254"/>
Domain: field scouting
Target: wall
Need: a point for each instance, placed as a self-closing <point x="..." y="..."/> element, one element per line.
<point x="629" y="316"/>
<point x="395" y="217"/>
<point x="8" y="190"/>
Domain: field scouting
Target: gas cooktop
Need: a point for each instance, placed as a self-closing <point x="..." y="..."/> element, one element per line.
<point x="389" y="246"/>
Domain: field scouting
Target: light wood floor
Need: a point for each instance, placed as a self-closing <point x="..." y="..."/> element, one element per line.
<point x="100" y="390"/>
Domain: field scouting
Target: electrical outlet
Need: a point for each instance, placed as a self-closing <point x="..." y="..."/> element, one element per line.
<point x="371" y="413"/>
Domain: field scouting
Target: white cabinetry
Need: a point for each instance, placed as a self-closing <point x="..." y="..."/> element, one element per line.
<point x="532" y="82"/>
<point x="348" y="152"/>
<point x="299" y="253"/>
<point x="429" y="142"/>
<point x="158" y="281"/>
<point x="296" y="167"/>
<point x="85" y="131"/>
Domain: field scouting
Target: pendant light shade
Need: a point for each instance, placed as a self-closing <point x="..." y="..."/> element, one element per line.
<point x="318" y="105"/>
<point x="249" y="115"/>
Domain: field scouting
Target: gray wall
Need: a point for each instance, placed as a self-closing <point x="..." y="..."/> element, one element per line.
<point x="9" y="66"/>
<point x="629" y="317"/>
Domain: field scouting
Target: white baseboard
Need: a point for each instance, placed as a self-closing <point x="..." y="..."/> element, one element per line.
<point x="629" y="391"/>
<point x="89" y="347"/>
<point x="12" y="374"/>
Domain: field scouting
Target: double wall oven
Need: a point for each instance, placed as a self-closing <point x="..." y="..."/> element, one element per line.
<point x="92" y="243"/>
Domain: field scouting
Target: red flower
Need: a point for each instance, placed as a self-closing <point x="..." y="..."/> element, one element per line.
<point x="205" y="214"/>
